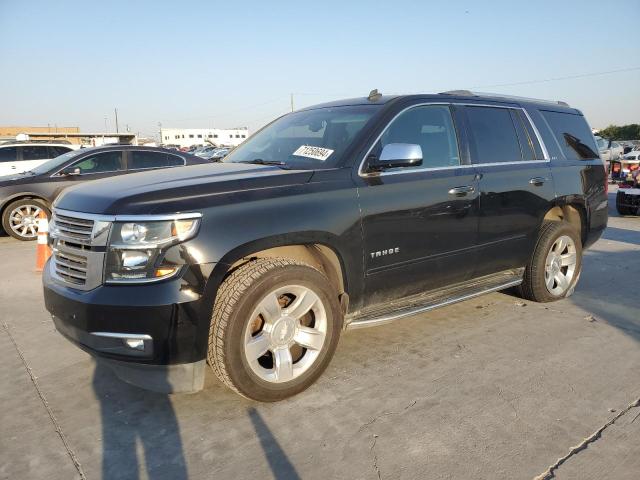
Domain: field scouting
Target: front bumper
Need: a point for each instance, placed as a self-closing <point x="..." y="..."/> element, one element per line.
<point x="171" y="317"/>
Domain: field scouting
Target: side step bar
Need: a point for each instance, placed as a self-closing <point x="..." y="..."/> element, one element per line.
<point x="423" y="302"/>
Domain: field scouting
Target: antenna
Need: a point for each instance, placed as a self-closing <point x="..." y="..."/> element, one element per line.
<point x="374" y="95"/>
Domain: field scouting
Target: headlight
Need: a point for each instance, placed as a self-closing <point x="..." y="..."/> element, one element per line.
<point x="136" y="249"/>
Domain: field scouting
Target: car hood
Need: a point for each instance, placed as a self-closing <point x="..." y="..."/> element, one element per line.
<point x="16" y="179"/>
<point x="175" y="190"/>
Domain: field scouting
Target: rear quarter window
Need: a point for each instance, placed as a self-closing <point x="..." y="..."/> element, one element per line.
<point x="573" y="135"/>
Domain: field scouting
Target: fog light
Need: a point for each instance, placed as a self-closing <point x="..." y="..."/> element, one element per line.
<point x="135" y="343"/>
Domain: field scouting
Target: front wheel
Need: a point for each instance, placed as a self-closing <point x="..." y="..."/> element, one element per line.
<point x="20" y="218"/>
<point x="554" y="268"/>
<point x="274" y="328"/>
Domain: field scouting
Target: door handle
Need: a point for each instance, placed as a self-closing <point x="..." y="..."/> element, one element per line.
<point x="537" y="181"/>
<point x="461" y="191"/>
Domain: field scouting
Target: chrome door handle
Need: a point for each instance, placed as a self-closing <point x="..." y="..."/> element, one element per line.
<point x="461" y="191"/>
<point x="537" y="181"/>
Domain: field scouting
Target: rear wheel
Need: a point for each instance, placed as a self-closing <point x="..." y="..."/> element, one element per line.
<point x="555" y="265"/>
<point x="275" y="326"/>
<point x="20" y="218"/>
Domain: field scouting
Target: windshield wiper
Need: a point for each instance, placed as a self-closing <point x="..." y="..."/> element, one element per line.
<point x="260" y="161"/>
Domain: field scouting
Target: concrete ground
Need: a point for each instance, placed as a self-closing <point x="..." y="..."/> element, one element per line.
<point x="493" y="388"/>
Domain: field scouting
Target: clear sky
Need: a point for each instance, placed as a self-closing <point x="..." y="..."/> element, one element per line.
<point x="234" y="63"/>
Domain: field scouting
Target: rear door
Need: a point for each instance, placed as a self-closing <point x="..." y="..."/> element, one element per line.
<point x="8" y="160"/>
<point x="30" y="156"/>
<point x="516" y="186"/>
<point x="419" y="231"/>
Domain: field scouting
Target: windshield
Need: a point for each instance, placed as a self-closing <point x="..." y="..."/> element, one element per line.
<point x="311" y="139"/>
<point x="56" y="162"/>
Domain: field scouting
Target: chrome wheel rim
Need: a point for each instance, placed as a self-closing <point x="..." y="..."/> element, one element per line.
<point x="23" y="220"/>
<point x="560" y="265"/>
<point x="285" y="334"/>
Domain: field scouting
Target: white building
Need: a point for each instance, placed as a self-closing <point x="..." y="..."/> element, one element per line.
<point x="186" y="137"/>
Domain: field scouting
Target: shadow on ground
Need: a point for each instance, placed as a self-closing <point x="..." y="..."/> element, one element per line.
<point x="137" y="423"/>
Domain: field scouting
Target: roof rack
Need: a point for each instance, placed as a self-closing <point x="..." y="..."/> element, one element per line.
<point x="469" y="93"/>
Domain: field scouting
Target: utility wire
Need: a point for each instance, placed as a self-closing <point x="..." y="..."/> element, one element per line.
<point x="553" y="79"/>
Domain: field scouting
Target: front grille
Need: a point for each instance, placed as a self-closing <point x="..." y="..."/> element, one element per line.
<point x="71" y="268"/>
<point x="73" y="227"/>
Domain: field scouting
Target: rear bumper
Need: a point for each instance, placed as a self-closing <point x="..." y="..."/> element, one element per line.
<point x="171" y="320"/>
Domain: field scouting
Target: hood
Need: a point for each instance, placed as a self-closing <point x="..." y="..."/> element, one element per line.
<point x="174" y="190"/>
<point x="16" y="179"/>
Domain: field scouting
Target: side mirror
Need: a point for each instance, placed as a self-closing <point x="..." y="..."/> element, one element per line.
<point x="75" y="171"/>
<point x="396" y="155"/>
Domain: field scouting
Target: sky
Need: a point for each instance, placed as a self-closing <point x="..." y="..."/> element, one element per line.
<point x="211" y="64"/>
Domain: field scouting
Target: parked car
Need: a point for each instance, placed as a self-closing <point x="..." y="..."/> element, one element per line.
<point x="19" y="156"/>
<point x="24" y="195"/>
<point x="343" y="215"/>
<point x="609" y="149"/>
<point x="216" y="154"/>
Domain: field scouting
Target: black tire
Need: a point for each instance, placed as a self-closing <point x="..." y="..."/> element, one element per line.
<point x="237" y="298"/>
<point x="533" y="286"/>
<point x="6" y="214"/>
<point x="622" y="209"/>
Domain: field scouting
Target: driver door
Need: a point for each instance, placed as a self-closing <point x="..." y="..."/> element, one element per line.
<point x="420" y="223"/>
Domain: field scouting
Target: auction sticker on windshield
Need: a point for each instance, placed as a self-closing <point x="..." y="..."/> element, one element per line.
<point x="317" y="153"/>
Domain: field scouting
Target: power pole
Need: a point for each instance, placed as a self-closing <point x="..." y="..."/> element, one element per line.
<point x="292" y="102"/>
<point x="116" y="110"/>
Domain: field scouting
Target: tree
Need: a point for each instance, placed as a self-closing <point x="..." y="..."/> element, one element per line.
<point x="624" y="132"/>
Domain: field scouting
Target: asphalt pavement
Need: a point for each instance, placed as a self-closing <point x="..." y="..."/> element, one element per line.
<point x="492" y="388"/>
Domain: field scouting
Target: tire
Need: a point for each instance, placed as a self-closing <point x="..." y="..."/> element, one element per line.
<point x="545" y="265"/>
<point x="244" y="322"/>
<point x="11" y="216"/>
<point x="622" y="210"/>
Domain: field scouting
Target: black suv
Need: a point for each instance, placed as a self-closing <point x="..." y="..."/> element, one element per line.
<point x="342" y="215"/>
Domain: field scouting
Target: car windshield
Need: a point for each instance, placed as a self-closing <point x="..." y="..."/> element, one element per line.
<point x="55" y="162"/>
<point x="310" y="139"/>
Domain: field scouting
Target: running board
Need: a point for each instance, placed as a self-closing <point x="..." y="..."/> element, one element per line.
<point x="423" y="302"/>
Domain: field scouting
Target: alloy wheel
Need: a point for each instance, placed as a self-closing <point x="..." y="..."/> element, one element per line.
<point x="560" y="265"/>
<point x="23" y="220"/>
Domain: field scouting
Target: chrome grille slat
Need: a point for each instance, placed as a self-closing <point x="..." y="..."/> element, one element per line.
<point x="73" y="227"/>
<point x="72" y="266"/>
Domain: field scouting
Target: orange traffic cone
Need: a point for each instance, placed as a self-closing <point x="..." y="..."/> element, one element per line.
<point x="43" y="252"/>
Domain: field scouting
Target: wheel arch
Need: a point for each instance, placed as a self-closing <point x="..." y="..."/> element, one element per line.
<point x="19" y="196"/>
<point x="573" y="212"/>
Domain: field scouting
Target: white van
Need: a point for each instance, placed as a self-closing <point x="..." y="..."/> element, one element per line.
<point x="21" y="157"/>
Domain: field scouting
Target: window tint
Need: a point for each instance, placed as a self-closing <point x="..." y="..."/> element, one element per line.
<point x="55" y="151"/>
<point x="98" y="163"/>
<point x="573" y="135"/>
<point x="529" y="145"/>
<point x="142" y="159"/>
<point x="539" y="155"/>
<point x="35" y="152"/>
<point x="8" y="154"/>
<point x="494" y="135"/>
<point x="432" y="128"/>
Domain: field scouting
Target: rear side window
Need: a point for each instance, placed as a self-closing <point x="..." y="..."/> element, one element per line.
<point x="55" y="151"/>
<point x="8" y="154"/>
<point x="494" y="134"/>
<point x="139" y="159"/>
<point x="573" y="135"/>
<point x="35" y="152"/>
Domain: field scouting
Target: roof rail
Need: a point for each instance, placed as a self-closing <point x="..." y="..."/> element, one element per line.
<point x="469" y="93"/>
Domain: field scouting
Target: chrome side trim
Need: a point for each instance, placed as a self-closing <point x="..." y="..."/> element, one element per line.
<point x="363" y="174"/>
<point x="390" y="318"/>
<point x="135" y="336"/>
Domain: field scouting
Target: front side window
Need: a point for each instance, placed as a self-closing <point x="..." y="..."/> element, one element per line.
<point x="429" y="126"/>
<point x="99" y="163"/>
<point x="573" y="135"/>
<point x="55" y="151"/>
<point x="139" y="159"/>
<point x="494" y="135"/>
<point x="35" y="152"/>
<point x="8" y="154"/>
<point x="309" y="139"/>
